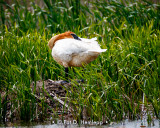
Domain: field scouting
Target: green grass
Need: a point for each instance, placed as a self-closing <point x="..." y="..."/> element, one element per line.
<point x="115" y="81"/>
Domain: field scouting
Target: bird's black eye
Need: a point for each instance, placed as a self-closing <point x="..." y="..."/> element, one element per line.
<point x="75" y="37"/>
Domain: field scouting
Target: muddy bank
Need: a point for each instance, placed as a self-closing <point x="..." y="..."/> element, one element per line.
<point x="51" y="93"/>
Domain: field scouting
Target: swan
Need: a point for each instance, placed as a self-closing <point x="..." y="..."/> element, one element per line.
<point x="69" y="50"/>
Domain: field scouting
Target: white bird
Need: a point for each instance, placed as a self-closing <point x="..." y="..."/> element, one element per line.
<point x="71" y="51"/>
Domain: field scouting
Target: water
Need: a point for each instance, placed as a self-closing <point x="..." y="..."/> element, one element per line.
<point x="137" y="124"/>
<point x="123" y="124"/>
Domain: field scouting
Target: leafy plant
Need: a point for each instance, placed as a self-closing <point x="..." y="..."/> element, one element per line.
<point x="116" y="84"/>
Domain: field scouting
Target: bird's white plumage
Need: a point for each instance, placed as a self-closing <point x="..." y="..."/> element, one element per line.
<point x="72" y="52"/>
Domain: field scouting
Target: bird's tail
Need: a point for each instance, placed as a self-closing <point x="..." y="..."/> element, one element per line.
<point x="97" y="51"/>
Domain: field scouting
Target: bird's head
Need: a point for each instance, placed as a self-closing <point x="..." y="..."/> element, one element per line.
<point x="64" y="35"/>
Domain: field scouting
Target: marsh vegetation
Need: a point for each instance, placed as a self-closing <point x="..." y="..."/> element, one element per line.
<point x="119" y="84"/>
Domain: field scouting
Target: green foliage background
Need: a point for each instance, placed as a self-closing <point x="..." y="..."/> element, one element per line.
<point x="115" y="82"/>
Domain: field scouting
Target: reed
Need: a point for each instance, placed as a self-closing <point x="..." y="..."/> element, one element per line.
<point x="115" y="82"/>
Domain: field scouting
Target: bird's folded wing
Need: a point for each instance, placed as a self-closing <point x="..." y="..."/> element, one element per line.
<point x="69" y="46"/>
<point x="72" y="46"/>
